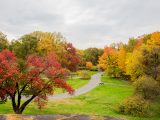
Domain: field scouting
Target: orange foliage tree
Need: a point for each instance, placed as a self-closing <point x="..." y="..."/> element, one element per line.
<point x="89" y="65"/>
<point x="155" y="39"/>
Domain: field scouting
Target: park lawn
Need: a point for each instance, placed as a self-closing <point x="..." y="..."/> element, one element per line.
<point x="76" y="82"/>
<point x="91" y="72"/>
<point x="107" y="79"/>
<point x="103" y="101"/>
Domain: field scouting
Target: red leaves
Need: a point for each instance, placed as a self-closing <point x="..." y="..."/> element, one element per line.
<point x="52" y="73"/>
<point x="8" y="72"/>
<point x="51" y="61"/>
<point x="108" y="50"/>
<point x="35" y="61"/>
<point x="41" y="76"/>
<point x="41" y="101"/>
<point x="62" y="84"/>
<point x="71" y="59"/>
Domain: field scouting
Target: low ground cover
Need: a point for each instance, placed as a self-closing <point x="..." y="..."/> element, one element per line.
<point x="103" y="101"/>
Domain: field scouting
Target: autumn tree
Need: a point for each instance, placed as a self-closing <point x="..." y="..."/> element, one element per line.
<point x="80" y="54"/>
<point x="48" y="42"/>
<point x="92" y="54"/>
<point x="122" y="59"/>
<point x="89" y="65"/>
<point x="132" y="64"/>
<point x="102" y="63"/>
<point x="70" y="59"/>
<point x="42" y="76"/>
<point x="113" y="61"/>
<point x="3" y="42"/>
<point x="146" y="38"/>
<point x="45" y="42"/>
<point x="65" y="52"/>
<point x="154" y="39"/>
<point x="112" y="64"/>
<point x="146" y="60"/>
<point x="145" y="71"/>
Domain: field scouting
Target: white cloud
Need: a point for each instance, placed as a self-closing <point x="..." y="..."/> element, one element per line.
<point x="85" y="23"/>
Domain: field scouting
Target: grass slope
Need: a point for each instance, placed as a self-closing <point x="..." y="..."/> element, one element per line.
<point x="103" y="100"/>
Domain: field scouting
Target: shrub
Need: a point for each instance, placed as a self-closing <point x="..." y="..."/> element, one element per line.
<point x="84" y="75"/>
<point x="136" y="106"/>
<point x="147" y="87"/>
<point x="94" y="68"/>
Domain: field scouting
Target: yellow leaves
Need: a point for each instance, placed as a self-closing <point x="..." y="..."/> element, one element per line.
<point x="131" y="60"/>
<point x="109" y="57"/>
<point x="80" y="52"/>
<point x="48" y="42"/>
<point x="45" y="44"/>
<point x="102" y="62"/>
<point x="155" y="39"/>
<point x="122" y="59"/>
<point x="89" y="65"/>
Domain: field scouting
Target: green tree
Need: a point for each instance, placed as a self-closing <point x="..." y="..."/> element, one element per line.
<point x="3" y="41"/>
<point x="131" y="44"/>
<point x="24" y="46"/>
<point x="92" y="54"/>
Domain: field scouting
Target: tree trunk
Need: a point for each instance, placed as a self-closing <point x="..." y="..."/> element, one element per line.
<point x="23" y="106"/>
<point x="13" y="102"/>
<point x="17" y="108"/>
<point x="18" y="111"/>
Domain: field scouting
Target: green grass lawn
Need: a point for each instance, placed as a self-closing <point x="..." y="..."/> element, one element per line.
<point x="76" y="82"/>
<point x="103" y="100"/>
<point x="107" y="79"/>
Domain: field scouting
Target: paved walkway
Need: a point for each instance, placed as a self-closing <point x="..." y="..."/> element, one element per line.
<point x="95" y="80"/>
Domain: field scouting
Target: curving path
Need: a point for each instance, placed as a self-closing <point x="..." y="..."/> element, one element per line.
<point x="95" y="80"/>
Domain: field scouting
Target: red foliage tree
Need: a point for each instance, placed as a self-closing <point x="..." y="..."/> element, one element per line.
<point x="71" y="57"/>
<point x="42" y="76"/>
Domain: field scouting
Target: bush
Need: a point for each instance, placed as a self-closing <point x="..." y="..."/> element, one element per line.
<point x="94" y="68"/>
<point x="147" y="87"/>
<point x="136" y="106"/>
<point x="84" y="75"/>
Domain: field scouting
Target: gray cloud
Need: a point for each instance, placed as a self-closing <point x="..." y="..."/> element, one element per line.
<point x="85" y="23"/>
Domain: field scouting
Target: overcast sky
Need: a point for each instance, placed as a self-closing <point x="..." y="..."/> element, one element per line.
<point x="85" y="23"/>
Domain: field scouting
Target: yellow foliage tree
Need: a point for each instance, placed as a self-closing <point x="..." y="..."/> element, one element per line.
<point x="80" y="53"/>
<point x="131" y="61"/>
<point x="45" y="44"/>
<point x="48" y="42"/>
<point x="122" y="59"/>
<point x="89" y="65"/>
<point x="102" y="62"/>
<point x="155" y="39"/>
